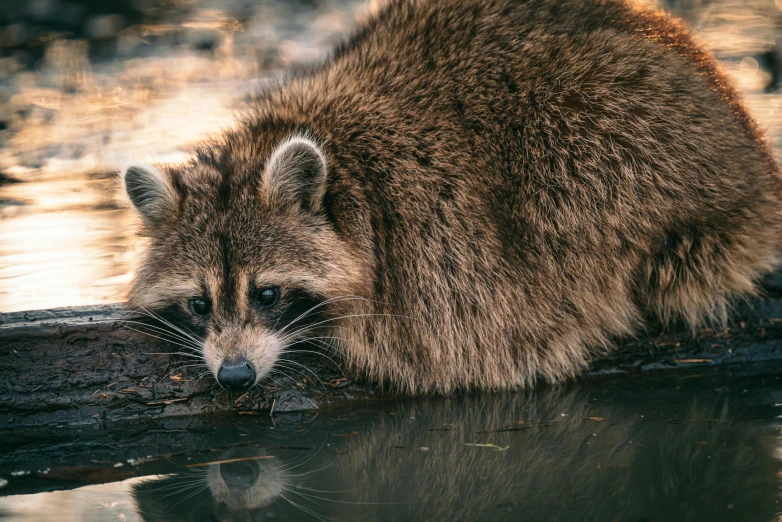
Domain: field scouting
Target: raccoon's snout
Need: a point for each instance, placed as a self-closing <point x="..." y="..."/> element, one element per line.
<point x="236" y="375"/>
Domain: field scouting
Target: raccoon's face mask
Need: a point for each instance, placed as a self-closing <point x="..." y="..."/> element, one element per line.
<point x="242" y="264"/>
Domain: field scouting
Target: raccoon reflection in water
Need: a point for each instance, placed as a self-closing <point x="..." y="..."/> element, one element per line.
<point x="628" y="466"/>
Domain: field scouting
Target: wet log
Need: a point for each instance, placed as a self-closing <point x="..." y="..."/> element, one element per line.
<point x="87" y="365"/>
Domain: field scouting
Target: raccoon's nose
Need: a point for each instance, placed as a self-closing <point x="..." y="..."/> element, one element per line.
<point x="236" y="375"/>
<point x="239" y="474"/>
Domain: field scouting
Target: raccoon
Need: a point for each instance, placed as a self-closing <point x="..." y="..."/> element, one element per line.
<point x="467" y="195"/>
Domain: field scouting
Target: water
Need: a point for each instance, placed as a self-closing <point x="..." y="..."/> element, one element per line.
<point x="701" y="448"/>
<point x="86" y="87"/>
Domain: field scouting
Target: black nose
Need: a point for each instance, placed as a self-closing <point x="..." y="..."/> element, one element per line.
<point x="239" y="474"/>
<point x="236" y="375"/>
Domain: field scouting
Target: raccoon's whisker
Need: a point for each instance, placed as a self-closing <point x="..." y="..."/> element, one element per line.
<point x="202" y="375"/>
<point x="319" y="341"/>
<point x="322" y="355"/>
<point x="322" y="345"/>
<point x="319" y="305"/>
<point x="300" y="487"/>
<point x="169" y="336"/>
<point x="182" y="480"/>
<point x="310" y="472"/>
<point x="275" y="381"/>
<point x="304" y="499"/>
<point x="193" y="494"/>
<point x="302" y="508"/>
<point x="348" y="317"/>
<point x="309" y="329"/>
<point x="181" y="487"/>
<point x="305" y="495"/>
<point x="187" y="335"/>
<point x="282" y="367"/>
<point x="166" y="339"/>
<point x="288" y="361"/>
<point x="181" y="368"/>
<point x="281" y="373"/>
<point x="190" y="335"/>
<point x="307" y="312"/>
<point x="308" y="339"/>
<point x="295" y="465"/>
<point x="293" y="335"/>
<point x="283" y="313"/>
<point x="312" y="340"/>
<point x="183" y="483"/>
<point x="159" y="329"/>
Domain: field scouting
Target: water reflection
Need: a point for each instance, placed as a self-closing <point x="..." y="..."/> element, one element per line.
<point x="238" y="487"/>
<point x="551" y="457"/>
<point x="691" y="450"/>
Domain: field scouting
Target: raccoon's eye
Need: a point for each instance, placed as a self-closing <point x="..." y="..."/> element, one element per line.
<point x="200" y="306"/>
<point x="268" y="296"/>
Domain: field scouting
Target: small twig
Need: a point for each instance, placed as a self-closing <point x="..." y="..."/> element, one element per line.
<point x="492" y="446"/>
<point x="166" y="402"/>
<point x="259" y="457"/>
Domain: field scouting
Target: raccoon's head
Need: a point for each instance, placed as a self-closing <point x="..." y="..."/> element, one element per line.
<point x="244" y="251"/>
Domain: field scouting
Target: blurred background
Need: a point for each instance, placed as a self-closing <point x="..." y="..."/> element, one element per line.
<point x="86" y="86"/>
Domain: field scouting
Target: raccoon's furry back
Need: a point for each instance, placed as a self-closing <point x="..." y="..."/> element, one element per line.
<point x="523" y="181"/>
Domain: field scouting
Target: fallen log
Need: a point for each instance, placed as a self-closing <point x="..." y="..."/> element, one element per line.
<point x="87" y="365"/>
<point x="82" y="365"/>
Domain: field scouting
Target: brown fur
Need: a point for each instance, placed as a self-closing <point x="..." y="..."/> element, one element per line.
<point x="508" y="185"/>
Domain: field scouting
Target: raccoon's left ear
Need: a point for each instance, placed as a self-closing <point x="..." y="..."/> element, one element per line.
<point x="150" y="191"/>
<point x="295" y="175"/>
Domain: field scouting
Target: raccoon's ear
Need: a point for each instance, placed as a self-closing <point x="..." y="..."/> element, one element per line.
<point x="150" y="191"/>
<point x="295" y="174"/>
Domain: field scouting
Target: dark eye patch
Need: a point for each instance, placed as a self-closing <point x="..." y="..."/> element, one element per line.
<point x="296" y="309"/>
<point x="181" y="318"/>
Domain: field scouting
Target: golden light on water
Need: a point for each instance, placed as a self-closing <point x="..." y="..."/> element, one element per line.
<point x="66" y="234"/>
<point x="110" y="501"/>
<point x="65" y="242"/>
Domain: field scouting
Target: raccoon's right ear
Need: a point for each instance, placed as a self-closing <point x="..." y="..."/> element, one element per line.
<point x="295" y="175"/>
<point x="150" y="191"/>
